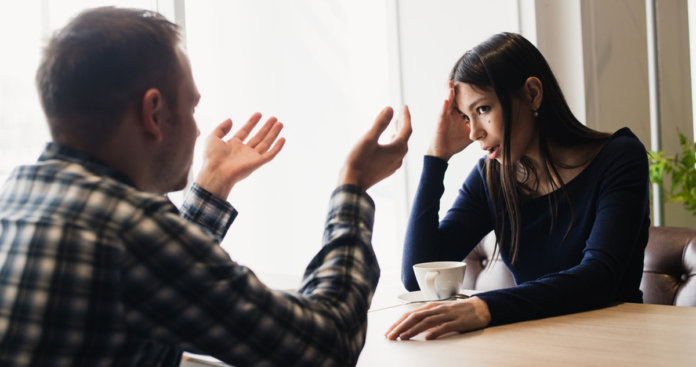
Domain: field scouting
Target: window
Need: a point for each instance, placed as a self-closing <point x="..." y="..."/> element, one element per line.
<point x="25" y="26"/>
<point x="323" y="67"/>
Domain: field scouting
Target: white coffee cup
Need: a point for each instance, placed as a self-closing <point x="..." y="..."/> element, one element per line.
<point x="439" y="279"/>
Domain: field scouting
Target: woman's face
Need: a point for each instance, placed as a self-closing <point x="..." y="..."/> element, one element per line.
<point x="483" y="113"/>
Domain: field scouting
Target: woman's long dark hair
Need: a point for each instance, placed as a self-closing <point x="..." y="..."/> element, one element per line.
<point x="504" y="62"/>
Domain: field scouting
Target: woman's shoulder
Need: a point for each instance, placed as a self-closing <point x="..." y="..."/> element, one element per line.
<point x="624" y="138"/>
<point x="623" y="145"/>
<point x="622" y="148"/>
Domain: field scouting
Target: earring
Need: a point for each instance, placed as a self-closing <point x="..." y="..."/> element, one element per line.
<point x="535" y="113"/>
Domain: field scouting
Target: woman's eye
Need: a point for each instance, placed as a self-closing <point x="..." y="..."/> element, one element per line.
<point x="465" y="117"/>
<point x="483" y="109"/>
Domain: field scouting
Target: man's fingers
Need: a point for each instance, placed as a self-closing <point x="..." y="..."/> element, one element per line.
<point x="380" y="124"/>
<point x="223" y="128"/>
<point x="268" y="138"/>
<point x="406" y="129"/>
<point x="244" y="132"/>
<point x="269" y="155"/>
<point x="400" y="142"/>
<point x="259" y="136"/>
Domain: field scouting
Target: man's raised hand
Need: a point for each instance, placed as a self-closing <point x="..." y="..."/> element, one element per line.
<point x="229" y="161"/>
<point x="370" y="162"/>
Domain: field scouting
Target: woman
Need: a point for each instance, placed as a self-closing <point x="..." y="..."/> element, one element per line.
<point x="569" y="205"/>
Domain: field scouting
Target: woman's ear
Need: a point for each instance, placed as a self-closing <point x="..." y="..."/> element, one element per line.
<point x="152" y="113"/>
<point x="534" y="92"/>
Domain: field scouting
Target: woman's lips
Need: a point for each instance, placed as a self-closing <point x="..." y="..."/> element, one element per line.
<point x="493" y="152"/>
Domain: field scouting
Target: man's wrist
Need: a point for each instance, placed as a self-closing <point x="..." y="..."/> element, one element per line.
<point x="350" y="177"/>
<point x="213" y="184"/>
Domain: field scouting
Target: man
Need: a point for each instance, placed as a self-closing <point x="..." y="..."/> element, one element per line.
<point x="98" y="268"/>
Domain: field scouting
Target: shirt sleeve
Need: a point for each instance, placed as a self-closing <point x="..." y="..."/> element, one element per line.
<point x="184" y="290"/>
<point x="616" y="242"/>
<point x="466" y="222"/>
<point x="208" y="211"/>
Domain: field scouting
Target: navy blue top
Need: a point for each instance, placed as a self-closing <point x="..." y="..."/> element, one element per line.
<point x="598" y="261"/>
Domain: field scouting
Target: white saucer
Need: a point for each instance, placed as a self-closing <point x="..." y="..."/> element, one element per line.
<point x="417" y="296"/>
<point x="414" y="296"/>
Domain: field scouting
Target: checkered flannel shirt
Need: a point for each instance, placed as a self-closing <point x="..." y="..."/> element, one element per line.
<point x="96" y="273"/>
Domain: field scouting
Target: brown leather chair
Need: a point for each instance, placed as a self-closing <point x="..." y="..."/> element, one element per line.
<point x="669" y="272"/>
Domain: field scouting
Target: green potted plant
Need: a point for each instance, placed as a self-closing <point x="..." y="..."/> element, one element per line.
<point x="681" y="168"/>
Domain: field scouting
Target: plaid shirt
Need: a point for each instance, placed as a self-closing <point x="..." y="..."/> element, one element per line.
<point x="94" y="272"/>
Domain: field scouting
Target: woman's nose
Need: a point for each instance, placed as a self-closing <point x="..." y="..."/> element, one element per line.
<point x="475" y="131"/>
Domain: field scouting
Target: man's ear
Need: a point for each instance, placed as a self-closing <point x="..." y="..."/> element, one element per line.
<point x="534" y="92"/>
<point x="153" y="113"/>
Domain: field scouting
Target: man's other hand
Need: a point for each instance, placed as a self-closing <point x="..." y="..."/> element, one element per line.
<point x="370" y="162"/>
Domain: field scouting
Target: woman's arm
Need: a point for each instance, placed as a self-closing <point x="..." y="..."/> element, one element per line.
<point x="613" y="250"/>
<point x="428" y="238"/>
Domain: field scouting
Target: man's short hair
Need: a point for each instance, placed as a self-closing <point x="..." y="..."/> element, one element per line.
<point x="100" y="65"/>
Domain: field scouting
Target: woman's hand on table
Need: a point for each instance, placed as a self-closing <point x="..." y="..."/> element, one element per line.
<point x="439" y="318"/>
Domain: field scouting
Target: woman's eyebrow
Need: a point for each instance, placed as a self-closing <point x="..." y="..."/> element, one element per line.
<point x="474" y="103"/>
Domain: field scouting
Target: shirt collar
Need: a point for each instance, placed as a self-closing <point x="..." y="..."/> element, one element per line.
<point x="57" y="151"/>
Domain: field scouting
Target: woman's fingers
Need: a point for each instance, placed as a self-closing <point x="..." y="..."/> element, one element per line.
<point x="440" y="330"/>
<point x="440" y="318"/>
<point x="408" y="320"/>
<point x="429" y="319"/>
<point x="394" y="330"/>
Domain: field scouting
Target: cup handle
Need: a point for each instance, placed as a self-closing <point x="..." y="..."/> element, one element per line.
<point x="430" y="279"/>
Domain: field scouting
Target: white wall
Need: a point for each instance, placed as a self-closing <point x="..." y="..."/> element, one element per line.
<point x="616" y="75"/>
<point x="434" y="35"/>
<point x="559" y="38"/>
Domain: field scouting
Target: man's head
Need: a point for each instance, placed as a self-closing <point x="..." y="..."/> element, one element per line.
<point x="114" y="83"/>
<point x="99" y="66"/>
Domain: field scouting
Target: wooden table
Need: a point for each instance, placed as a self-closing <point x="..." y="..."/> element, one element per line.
<point x="627" y="334"/>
